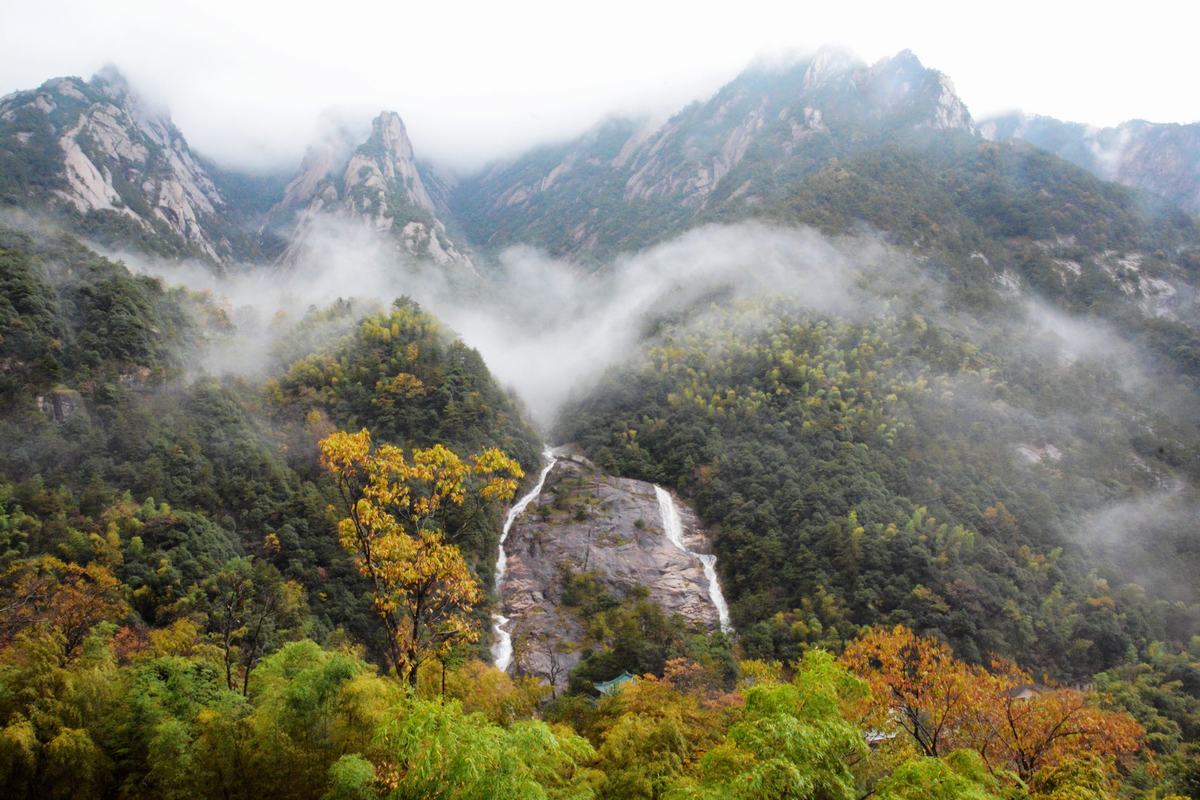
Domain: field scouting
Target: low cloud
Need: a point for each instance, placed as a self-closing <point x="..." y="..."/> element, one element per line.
<point x="1145" y="538"/>
<point x="545" y="327"/>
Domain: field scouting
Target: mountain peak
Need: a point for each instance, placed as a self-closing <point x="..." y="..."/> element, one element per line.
<point x="111" y="81"/>
<point x="902" y="80"/>
<point x="378" y="184"/>
<point x="390" y="137"/>
<point x="829" y="64"/>
<point x="116" y="162"/>
<point x="906" y="58"/>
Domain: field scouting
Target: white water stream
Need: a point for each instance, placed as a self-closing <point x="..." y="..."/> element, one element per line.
<point x="674" y="528"/>
<point x="502" y="643"/>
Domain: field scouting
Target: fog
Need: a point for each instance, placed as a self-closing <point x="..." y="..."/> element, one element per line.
<point x="545" y="327"/>
<point x="247" y="82"/>
<point x="548" y="328"/>
<point x="1145" y="538"/>
<point x="561" y="329"/>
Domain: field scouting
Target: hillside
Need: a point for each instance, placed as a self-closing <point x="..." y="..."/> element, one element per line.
<point x="866" y="464"/>
<point x="107" y="416"/>
<point x="1162" y="160"/>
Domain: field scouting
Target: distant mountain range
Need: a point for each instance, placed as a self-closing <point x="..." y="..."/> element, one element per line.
<point x="95" y="156"/>
<point x="1162" y="160"/>
<point x="831" y="142"/>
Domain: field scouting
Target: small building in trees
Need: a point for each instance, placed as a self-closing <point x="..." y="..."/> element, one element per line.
<point x="610" y="687"/>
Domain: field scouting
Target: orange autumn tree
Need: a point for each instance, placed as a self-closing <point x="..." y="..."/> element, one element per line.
<point x="944" y="704"/>
<point x="68" y="599"/>
<point x="1047" y="728"/>
<point x="917" y="681"/>
<point x="422" y="588"/>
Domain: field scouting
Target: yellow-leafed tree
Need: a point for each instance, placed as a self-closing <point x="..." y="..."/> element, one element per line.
<point x="423" y="589"/>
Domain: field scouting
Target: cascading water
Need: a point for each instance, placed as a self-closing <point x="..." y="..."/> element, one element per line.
<point x="502" y="645"/>
<point x="674" y="528"/>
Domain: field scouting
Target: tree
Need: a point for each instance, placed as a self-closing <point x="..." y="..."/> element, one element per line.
<point x="918" y="683"/>
<point x="53" y="711"/>
<point x="943" y="703"/>
<point x="1048" y="728"/>
<point x="540" y="649"/>
<point x="434" y="749"/>
<point x="960" y="776"/>
<point x="250" y="610"/>
<point x="422" y="587"/>
<point x="66" y="597"/>
<point x="790" y="739"/>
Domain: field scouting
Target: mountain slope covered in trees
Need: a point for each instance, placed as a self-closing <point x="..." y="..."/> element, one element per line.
<point x="954" y="512"/>
<point x="1162" y="160"/>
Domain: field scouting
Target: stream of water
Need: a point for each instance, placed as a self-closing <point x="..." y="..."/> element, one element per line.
<point x="673" y="525"/>
<point x="502" y="641"/>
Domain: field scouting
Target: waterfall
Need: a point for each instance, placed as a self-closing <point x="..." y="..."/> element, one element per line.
<point x="502" y="646"/>
<point x="674" y="528"/>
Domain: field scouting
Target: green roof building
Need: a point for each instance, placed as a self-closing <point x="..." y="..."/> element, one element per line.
<point x="611" y="687"/>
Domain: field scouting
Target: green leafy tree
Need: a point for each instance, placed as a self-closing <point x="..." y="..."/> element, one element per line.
<point x="251" y="611"/>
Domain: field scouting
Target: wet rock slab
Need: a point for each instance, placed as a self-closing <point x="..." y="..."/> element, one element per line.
<point x="587" y="521"/>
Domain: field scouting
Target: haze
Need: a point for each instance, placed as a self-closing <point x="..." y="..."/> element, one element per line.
<point x="247" y="82"/>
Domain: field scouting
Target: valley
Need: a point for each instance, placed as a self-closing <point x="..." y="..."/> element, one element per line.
<point x="817" y="440"/>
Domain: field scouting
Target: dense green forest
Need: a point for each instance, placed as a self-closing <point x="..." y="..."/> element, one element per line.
<point x="206" y="586"/>
<point x="116" y="450"/>
<point x="830" y="452"/>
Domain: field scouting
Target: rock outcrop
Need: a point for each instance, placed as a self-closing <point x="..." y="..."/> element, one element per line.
<point x="97" y="149"/>
<point x="587" y="521"/>
<point x="104" y="161"/>
<point x="377" y="184"/>
<point x="60" y="404"/>
<point x="1157" y="158"/>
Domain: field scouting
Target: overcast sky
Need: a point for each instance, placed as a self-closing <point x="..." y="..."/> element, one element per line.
<point x="246" y="81"/>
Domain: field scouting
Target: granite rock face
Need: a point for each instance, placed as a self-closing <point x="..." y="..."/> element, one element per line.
<point x="587" y="521"/>
<point x="100" y="157"/>
<point x="100" y="150"/>
<point x="377" y="184"/>
<point x="722" y="157"/>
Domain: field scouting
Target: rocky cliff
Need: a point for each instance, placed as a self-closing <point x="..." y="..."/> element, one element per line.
<point x="101" y="160"/>
<point x="624" y="181"/>
<point x="586" y="521"/>
<point x="376" y="184"/>
<point x="96" y="154"/>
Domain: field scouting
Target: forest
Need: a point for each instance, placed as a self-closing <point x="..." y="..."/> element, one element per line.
<point x="278" y="585"/>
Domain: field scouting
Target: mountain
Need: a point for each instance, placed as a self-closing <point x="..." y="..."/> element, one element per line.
<point x="101" y="160"/>
<point x="623" y="184"/>
<point x="873" y="409"/>
<point x="1159" y="159"/>
<point x="115" y="169"/>
<point x="377" y="184"/>
<point x="887" y="150"/>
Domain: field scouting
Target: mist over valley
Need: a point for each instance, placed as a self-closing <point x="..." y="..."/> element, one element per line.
<point x="813" y="439"/>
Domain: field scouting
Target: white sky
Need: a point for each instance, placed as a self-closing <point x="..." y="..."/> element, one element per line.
<point x="246" y="80"/>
